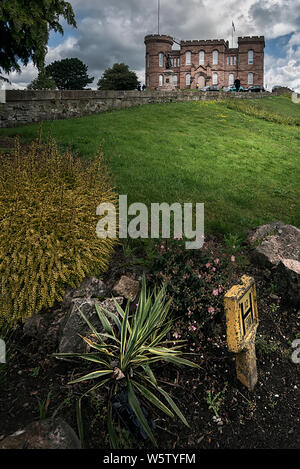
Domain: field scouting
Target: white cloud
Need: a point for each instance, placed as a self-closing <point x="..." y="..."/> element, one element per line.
<point x="113" y="31"/>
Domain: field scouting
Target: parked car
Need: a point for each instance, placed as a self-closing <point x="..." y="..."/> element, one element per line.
<point x="210" y="88"/>
<point x="233" y="88"/>
<point x="256" y="89"/>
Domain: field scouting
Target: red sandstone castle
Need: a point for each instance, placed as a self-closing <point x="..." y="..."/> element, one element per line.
<point x="210" y="62"/>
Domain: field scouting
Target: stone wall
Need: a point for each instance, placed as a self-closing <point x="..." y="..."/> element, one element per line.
<point x="23" y="107"/>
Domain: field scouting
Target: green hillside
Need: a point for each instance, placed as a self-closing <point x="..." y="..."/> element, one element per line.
<point x="241" y="158"/>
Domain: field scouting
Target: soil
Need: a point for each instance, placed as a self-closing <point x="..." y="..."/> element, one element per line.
<point x="268" y="417"/>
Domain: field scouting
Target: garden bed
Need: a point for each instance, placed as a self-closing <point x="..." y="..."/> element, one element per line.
<point x="221" y="412"/>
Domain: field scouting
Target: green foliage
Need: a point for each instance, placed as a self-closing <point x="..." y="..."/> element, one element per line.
<point x="214" y="402"/>
<point x="126" y="352"/>
<point x="69" y="74"/>
<point x="119" y="77"/>
<point x="42" y="82"/>
<point x="196" y="280"/>
<point x="25" y="28"/>
<point x="251" y="109"/>
<point x="48" y="221"/>
<point x="44" y="405"/>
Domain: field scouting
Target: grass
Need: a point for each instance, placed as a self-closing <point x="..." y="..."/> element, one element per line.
<point x="244" y="168"/>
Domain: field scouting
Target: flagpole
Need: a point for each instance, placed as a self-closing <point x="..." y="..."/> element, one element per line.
<point x="158" y="12"/>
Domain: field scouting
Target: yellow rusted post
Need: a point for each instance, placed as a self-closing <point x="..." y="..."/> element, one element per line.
<point x="241" y="323"/>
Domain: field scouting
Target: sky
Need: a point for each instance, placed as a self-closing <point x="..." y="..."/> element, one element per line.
<point x="110" y="31"/>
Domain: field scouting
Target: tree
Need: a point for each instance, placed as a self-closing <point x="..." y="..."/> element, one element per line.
<point x="119" y="77"/>
<point x="69" y="74"/>
<point x="42" y="82"/>
<point x="25" y="28"/>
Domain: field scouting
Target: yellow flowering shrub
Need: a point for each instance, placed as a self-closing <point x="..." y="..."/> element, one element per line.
<point x="48" y="221"/>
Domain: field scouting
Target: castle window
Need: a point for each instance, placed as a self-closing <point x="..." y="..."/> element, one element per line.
<point x="215" y="57"/>
<point x="161" y="59"/>
<point x="160" y="80"/>
<point x="250" y="57"/>
<point x="228" y="60"/>
<point x="201" y="57"/>
<point x="231" y="79"/>
<point x="188" y="79"/>
<point x="188" y="58"/>
<point x="250" y="78"/>
<point x="175" y="80"/>
<point x="215" y="78"/>
<point x="234" y="60"/>
<point x="178" y="62"/>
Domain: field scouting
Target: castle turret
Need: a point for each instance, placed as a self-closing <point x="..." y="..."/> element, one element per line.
<point x="157" y="47"/>
<point x="251" y="60"/>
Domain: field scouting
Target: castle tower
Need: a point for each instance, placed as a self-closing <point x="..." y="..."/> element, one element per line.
<point x="157" y="47"/>
<point x="251" y="60"/>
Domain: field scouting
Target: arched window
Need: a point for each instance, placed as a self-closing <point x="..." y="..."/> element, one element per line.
<point x="188" y="79"/>
<point x="250" y="56"/>
<point x="178" y="62"/>
<point x="231" y="79"/>
<point x="201" y="57"/>
<point x="175" y="80"/>
<point x="215" y="57"/>
<point x="160" y="80"/>
<point x="188" y="58"/>
<point x="161" y="59"/>
<point x="250" y="78"/>
<point x="215" y="78"/>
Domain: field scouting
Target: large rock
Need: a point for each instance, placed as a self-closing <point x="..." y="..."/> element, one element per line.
<point x="91" y="287"/>
<point x="70" y="341"/>
<point x="127" y="287"/>
<point x="277" y="246"/>
<point x="45" y="434"/>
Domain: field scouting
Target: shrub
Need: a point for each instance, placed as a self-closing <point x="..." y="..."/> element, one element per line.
<point x="48" y="223"/>
<point x="196" y="280"/>
<point x="126" y="352"/>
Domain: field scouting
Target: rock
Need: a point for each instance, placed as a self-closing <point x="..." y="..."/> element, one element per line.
<point x="277" y="246"/>
<point x="70" y="341"/>
<point x="91" y="287"/>
<point x="127" y="287"/>
<point x="273" y="242"/>
<point x="289" y="280"/>
<point x="45" y="434"/>
<point x="45" y="326"/>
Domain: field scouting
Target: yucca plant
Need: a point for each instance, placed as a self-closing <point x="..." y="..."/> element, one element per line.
<point x="126" y="352"/>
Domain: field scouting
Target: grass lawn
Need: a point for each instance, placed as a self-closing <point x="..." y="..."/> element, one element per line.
<point x="245" y="169"/>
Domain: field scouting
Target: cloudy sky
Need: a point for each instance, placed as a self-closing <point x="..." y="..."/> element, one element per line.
<point x="111" y="31"/>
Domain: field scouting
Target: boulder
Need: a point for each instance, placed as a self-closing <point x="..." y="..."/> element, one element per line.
<point x="277" y="246"/>
<point x="45" y="434"/>
<point x="90" y="287"/>
<point x="70" y="341"/>
<point x="127" y="287"/>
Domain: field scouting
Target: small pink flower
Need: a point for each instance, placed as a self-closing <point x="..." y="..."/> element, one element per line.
<point x="211" y="310"/>
<point x="215" y="292"/>
<point x="214" y="269"/>
<point x="232" y="258"/>
<point x="216" y="261"/>
<point x="192" y="328"/>
<point x="220" y="289"/>
<point x="176" y="335"/>
<point x="189" y="313"/>
<point x="208" y="265"/>
<point x="199" y="276"/>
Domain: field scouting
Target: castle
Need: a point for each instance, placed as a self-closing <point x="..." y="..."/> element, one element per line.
<point x="206" y="62"/>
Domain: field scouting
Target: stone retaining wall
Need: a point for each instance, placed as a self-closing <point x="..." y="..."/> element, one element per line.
<point x="22" y="106"/>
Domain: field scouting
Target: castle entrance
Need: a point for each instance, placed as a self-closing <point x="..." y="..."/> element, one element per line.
<point x="201" y="81"/>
